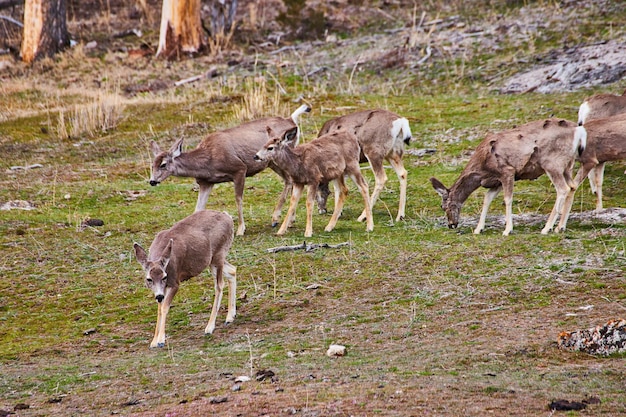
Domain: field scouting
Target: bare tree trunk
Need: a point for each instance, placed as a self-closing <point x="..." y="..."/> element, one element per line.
<point x="45" y="29"/>
<point x="181" y="28"/>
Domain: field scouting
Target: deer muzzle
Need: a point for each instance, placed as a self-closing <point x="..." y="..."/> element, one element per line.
<point x="159" y="298"/>
<point x="153" y="182"/>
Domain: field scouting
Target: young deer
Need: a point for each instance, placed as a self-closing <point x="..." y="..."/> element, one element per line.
<point x="324" y="159"/>
<point x="184" y="251"/>
<point x="606" y="141"/>
<point x="225" y="156"/>
<point x="596" y="107"/>
<point x="382" y="135"/>
<point x="523" y="153"/>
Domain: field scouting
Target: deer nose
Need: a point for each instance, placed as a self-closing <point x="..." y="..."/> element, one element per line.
<point x="159" y="298"/>
<point x="153" y="182"/>
<point x="256" y="158"/>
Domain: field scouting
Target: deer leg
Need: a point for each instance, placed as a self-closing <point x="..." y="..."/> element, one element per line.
<point x="363" y="189"/>
<point x="240" y="182"/>
<point x="341" y="191"/>
<point x="398" y="166"/>
<point x="596" y="178"/>
<point x="562" y="191"/>
<point x="310" y="201"/>
<point x="507" y="187"/>
<point x="164" y="308"/>
<point x="296" y="193"/>
<point x="287" y="187"/>
<point x="230" y="271"/>
<point x="380" y="179"/>
<point x="489" y="196"/>
<point x="569" y="200"/>
<point x="217" y="300"/>
<point x="322" y="196"/>
<point x="203" y="194"/>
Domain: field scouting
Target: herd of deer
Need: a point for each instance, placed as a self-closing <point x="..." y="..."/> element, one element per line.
<point x="204" y="238"/>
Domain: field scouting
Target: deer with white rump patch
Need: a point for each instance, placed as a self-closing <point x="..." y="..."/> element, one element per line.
<point x="324" y="159"/>
<point x="191" y="245"/>
<point x="524" y="153"/>
<point x="606" y="141"/>
<point x="225" y="156"/>
<point x="600" y="106"/>
<point x="382" y="136"/>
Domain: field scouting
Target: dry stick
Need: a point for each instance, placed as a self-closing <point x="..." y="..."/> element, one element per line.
<point x="307" y="247"/>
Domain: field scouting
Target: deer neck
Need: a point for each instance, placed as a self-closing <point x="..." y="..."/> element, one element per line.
<point x="289" y="160"/>
<point x="195" y="164"/>
<point x="464" y="187"/>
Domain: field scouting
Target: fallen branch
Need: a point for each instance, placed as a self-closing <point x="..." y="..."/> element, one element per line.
<point x="209" y="74"/>
<point x="10" y="19"/>
<point x="308" y="247"/>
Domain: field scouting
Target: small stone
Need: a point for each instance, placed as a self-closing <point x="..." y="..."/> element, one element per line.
<point x="336" y="350"/>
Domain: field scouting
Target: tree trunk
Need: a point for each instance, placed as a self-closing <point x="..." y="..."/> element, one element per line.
<point x="45" y="29"/>
<point x="222" y="16"/>
<point x="181" y="29"/>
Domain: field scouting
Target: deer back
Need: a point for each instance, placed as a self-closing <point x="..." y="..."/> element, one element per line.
<point x="606" y="139"/>
<point x="199" y="240"/>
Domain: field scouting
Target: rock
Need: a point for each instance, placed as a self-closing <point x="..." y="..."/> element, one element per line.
<point x="336" y="350"/>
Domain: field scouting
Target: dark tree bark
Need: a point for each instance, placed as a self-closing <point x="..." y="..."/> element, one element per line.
<point x="45" y="29"/>
<point x="222" y="16"/>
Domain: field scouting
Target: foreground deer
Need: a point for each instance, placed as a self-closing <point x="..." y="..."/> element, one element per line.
<point x="382" y="136"/>
<point x="524" y="153"/>
<point x="606" y="141"/>
<point x="324" y="159"/>
<point x="225" y="156"/>
<point x="184" y="251"/>
<point x="596" y="107"/>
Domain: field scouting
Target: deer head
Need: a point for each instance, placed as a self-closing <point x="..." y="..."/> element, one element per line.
<point x="163" y="164"/>
<point x="276" y="143"/>
<point x="450" y="207"/>
<point x="156" y="274"/>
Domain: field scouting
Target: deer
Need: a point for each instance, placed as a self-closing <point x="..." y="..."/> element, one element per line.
<point x="523" y="153"/>
<point x="225" y="156"/>
<point x="600" y="106"/>
<point x="382" y="136"/>
<point x="326" y="158"/>
<point x="184" y="251"/>
<point x="606" y="141"/>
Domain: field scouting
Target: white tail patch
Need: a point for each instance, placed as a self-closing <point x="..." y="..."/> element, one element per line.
<point x="580" y="139"/>
<point x="401" y="125"/>
<point x="583" y="113"/>
<point x="296" y="115"/>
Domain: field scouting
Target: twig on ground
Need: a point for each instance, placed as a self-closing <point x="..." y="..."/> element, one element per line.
<point x="308" y="247"/>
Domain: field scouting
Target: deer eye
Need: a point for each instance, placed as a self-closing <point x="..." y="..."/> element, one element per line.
<point x="163" y="165"/>
<point x="149" y="281"/>
<point x="270" y="148"/>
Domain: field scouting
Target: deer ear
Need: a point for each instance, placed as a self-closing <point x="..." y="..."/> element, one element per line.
<point x="269" y="131"/>
<point x="177" y="149"/>
<point x="290" y="135"/>
<point x="141" y="255"/>
<point x="167" y="253"/>
<point x="439" y="187"/>
<point x="154" y="147"/>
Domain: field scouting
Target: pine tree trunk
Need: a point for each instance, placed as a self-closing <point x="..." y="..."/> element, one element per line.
<point x="45" y="29"/>
<point x="181" y="29"/>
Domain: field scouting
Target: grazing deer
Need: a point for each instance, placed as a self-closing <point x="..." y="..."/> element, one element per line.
<point x="606" y="141"/>
<point x="324" y="159"/>
<point x="596" y="107"/>
<point x="185" y="250"/>
<point x="524" y="153"/>
<point x="224" y="156"/>
<point x="382" y="135"/>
